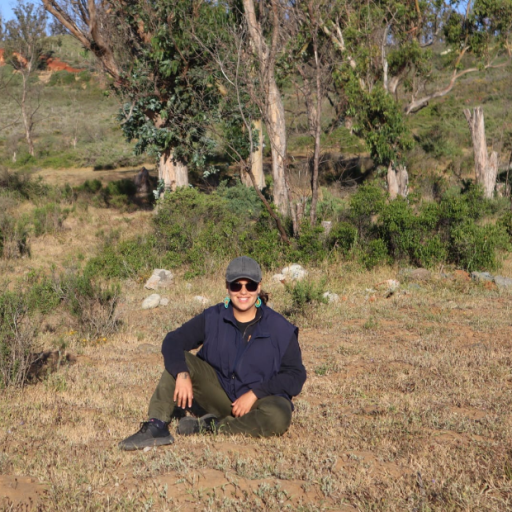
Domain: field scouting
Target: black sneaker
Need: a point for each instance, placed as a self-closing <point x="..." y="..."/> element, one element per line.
<point x="189" y="425"/>
<point x="148" y="435"/>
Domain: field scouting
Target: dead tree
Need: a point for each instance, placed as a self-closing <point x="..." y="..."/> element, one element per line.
<point x="486" y="166"/>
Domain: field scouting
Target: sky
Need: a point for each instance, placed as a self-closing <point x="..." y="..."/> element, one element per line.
<point x="6" y="9"/>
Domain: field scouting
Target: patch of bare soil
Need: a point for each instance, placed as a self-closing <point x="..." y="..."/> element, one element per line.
<point x="20" y="491"/>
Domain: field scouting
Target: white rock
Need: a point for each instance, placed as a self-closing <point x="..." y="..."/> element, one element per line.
<point x="295" y="272"/>
<point x="278" y="278"/>
<point x="188" y="286"/>
<point x="151" y="302"/>
<point x="164" y="301"/>
<point x="160" y="278"/>
<point x="331" y="297"/>
<point x="202" y="300"/>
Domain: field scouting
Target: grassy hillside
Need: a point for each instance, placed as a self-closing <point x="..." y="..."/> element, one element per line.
<point x="77" y="125"/>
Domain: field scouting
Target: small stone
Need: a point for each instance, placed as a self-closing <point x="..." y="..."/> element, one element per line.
<point x="331" y="297"/>
<point x="295" y="272"/>
<point x="278" y="278"/>
<point x="415" y="274"/>
<point x="482" y="277"/>
<point x="503" y="282"/>
<point x="202" y="300"/>
<point x="164" y="301"/>
<point x="147" y="448"/>
<point x="188" y="286"/>
<point x="151" y="302"/>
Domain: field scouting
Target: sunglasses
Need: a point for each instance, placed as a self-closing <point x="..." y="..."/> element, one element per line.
<point x="251" y="286"/>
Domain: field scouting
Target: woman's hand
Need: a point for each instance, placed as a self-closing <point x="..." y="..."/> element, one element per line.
<point x="243" y="404"/>
<point x="183" y="393"/>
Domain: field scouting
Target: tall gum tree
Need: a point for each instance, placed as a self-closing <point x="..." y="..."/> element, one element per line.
<point x="266" y="44"/>
<point x="157" y="71"/>
<point x="414" y="52"/>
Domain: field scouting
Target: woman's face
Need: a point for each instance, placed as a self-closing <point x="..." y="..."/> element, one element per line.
<point x="243" y="300"/>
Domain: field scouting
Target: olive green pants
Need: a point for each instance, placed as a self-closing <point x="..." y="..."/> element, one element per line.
<point x="269" y="416"/>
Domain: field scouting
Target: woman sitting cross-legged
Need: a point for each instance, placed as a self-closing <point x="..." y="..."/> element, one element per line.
<point x="244" y="376"/>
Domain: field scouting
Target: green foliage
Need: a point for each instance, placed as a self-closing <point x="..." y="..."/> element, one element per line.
<point x="310" y="243"/>
<point x="48" y="219"/>
<point x="506" y="222"/>
<point x="343" y="237"/>
<point x="375" y="252"/>
<point x="42" y="294"/>
<point x="379" y="120"/>
<point x="242" y="200"/>
<point x="92" y="303"/>
<point x="306" y="293"/>
<point x="61" y="78"/>
<point x="475" y="247"/>
<point x="127" y="259"/>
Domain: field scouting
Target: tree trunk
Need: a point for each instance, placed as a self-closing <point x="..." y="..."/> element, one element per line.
<point x="398" y="181"/>
<point x="273" y="109"/>
<point x="277" y="136"/>
<point x="27" y="122"/>
<point x="173" y="173"/>
<point x="256" y="162"/>
<point x="486" y="168"/>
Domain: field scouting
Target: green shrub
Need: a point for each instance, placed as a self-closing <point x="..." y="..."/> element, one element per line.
<point x="127" y="259"/>
<point x="61" y="78"/>
<point x="506" y="222"/>
<point x="93" y="304"/>
<point x="242" y="200"/>
<point x="48" y="219"/>
<point x="343" y="237"/>
<point x="122" y="187"/>
<point x="310" y="243"/>
<point x="475" y="247"/>
<point x="13" y="236"/>
<point x="90" y="187"/>
<point x="374" y="253"/>
<point x="305" y="293"/>
<point x="42" y="294"/>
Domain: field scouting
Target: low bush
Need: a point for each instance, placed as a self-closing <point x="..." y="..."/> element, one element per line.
<point x="17" y="339"/>
<point x="93" y="304"/>
<point x="305" y="293"/>
<point x="48" y="219"/>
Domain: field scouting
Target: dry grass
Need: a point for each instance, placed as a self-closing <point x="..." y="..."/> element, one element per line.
<point x="407" y="404"/>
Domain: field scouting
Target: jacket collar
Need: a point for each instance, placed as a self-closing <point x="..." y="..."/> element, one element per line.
<point x="228" y="315"/>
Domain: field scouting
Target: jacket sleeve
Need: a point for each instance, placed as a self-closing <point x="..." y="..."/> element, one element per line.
<point x="291" y="376"/>
<point x="188" y="337"/>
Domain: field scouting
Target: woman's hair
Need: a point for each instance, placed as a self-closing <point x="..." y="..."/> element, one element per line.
<point x="264" y="296"/>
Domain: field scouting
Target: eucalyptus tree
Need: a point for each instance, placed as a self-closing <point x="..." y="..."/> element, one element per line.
<point x="159" y="71"/>
<point x="24" y="40"/>
<point x="396" y="56"/>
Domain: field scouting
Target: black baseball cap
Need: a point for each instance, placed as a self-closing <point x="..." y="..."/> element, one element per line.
<point x="243" y="268"/>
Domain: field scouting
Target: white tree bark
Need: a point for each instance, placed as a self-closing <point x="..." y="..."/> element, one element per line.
<point x="273" y="110"/>
<point x="173" y="173"/>
<point x="486" y="167"/>
<point x="398" y="181"/>
<point x="256" y="161"/>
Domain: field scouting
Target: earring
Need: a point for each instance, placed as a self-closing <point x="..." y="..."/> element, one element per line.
<point x="258" y="303"/>
<point x="226" y="302"/>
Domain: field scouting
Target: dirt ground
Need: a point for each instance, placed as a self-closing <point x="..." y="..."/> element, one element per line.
<point x="407" y="405"/>
<point x="76" y="176"/>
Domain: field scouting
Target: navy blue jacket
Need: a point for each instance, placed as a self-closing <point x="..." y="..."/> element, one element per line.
<point x="270" y="363"/>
